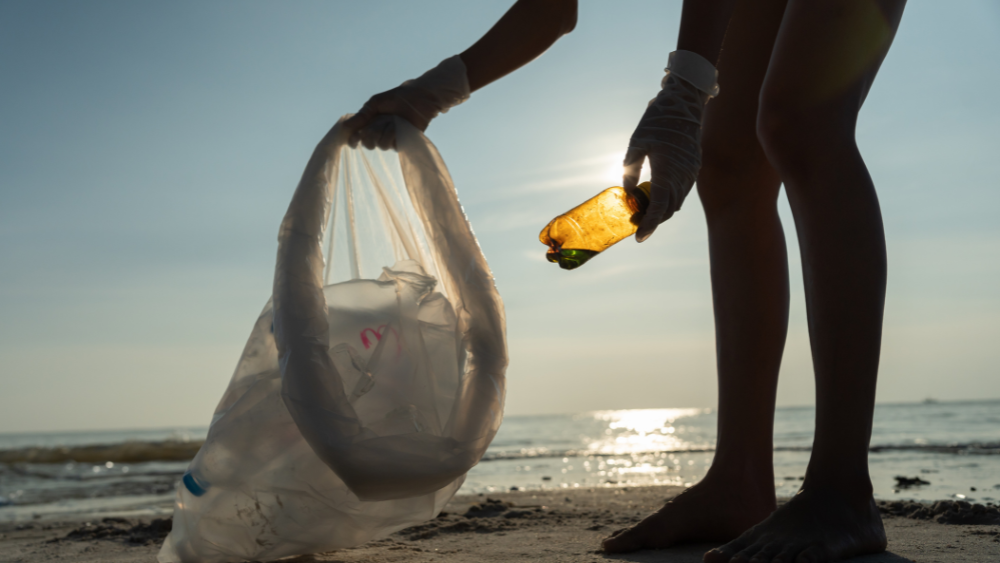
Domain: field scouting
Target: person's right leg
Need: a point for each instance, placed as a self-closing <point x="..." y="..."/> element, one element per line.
<point x="739" y="190"/>
<point x="824" y="62"/>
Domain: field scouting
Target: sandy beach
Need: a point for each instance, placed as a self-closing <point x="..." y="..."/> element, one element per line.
<point x="551" y="526"/>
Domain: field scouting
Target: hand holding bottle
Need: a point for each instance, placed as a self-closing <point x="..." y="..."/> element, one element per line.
<point x="669" y="134"/>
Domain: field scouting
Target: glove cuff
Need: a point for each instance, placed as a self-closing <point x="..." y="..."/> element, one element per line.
<point x="447" y="83"/>
<point x="695" y="69"/>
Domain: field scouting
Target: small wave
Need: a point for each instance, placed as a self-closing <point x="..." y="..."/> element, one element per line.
<point x="540" y="453"/>
<point x="972" y="448"/>
<point x="125" y="452"/>
<point x="975" y="448"/>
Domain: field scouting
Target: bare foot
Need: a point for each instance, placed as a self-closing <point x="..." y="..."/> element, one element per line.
<point x="714" y="510"/>
<point x="815" y="526"/>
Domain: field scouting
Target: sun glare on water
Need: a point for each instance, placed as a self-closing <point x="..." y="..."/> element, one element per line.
<point x="642" y="430"/>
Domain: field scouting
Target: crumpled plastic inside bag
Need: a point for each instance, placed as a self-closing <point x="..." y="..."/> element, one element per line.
<point x="372" y="381"/>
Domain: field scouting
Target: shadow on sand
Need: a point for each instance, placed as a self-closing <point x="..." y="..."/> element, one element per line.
<point x="693" y="554"/>
<point x="683" y="554"/>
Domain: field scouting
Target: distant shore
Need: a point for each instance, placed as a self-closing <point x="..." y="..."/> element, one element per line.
<point x="544" y="526"/>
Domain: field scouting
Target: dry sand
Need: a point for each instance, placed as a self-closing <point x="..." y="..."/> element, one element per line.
<point x="551" y="526"/>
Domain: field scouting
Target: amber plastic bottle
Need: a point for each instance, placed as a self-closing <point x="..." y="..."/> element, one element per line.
<point x="593" y="226"/>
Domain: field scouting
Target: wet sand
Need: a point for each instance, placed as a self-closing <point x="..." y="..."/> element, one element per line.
<point x="549" y="526"/>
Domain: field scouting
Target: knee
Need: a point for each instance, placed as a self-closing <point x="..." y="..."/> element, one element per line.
<point x="734" y="172"/>
<point x="798" y="139"/>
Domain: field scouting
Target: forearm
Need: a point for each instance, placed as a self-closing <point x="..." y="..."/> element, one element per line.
<point x="522" y="34"/>
<point x="703" y="27"/>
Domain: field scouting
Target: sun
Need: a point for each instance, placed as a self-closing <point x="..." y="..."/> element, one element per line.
<point x="613" y="169"/>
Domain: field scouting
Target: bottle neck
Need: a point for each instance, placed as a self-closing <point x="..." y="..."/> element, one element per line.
<point x="639" y="198"/>
<point x="641" y="201"/>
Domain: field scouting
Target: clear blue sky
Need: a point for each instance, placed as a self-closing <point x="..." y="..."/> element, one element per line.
<point x="148" y="151"/>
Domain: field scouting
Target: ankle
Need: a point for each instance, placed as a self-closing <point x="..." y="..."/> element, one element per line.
<point x="744" y="478"/>
<point x="855" y="488"/>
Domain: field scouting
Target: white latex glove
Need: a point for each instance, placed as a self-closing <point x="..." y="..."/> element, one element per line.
<point x="418" y="101"/>
<point x="669" y="133"/>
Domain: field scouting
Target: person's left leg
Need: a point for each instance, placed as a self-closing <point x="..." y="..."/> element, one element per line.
<point x="738" y="189"/>
<point x="824" y="61"/>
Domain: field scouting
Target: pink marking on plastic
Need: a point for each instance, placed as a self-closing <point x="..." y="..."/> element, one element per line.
<point x="364" y="337"/>
<point x="378" y="332"/>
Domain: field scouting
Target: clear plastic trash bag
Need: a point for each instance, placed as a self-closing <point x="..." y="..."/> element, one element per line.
<point x="373" y="379"/>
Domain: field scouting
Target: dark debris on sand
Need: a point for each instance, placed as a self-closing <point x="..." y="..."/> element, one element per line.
<point x="488" y="509"/>
<point x="124" y="530"/>
<point x="497" y="516"/>
<point x="904" y="482"/>
<point x="994" y="532"/>
<point x="943" y="511"/>
<point x="486" y="517"/>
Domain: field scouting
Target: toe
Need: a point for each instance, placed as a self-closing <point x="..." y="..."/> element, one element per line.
<point x="766" y="554"/>
<point x="813" y="554"/>
<point x="717" y="555"/>
<point x="786" y="554"/>
<point x="721" y="554"/>
<point x="622" y="541"/>
<point x="651" y="533"/>
<point x="725" y="553"/>
<point x="747" y="553"/>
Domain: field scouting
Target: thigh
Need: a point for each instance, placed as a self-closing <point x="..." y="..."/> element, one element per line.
<point x="733" y="161"/>
<point x="824" y="62"/>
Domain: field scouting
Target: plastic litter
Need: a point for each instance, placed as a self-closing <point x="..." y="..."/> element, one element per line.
<point x="372" y="381"/>
<point x="593" y="226"/>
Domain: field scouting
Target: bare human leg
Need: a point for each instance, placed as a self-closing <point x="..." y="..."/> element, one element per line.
<point x="738" y="189"/>
<point x="824" y="61"/>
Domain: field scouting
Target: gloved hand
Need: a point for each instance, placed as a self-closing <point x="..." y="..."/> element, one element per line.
<point x="669" y="133"/>
<point x="418" y="101"/>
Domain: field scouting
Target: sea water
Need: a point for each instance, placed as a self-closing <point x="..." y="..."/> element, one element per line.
<point x="952" y="446"/>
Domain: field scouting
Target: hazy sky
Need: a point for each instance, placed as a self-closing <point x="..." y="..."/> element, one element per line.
<point x="148" y="151"/>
